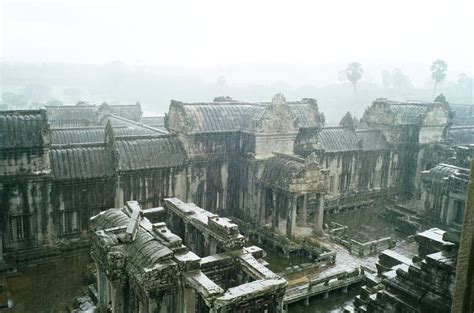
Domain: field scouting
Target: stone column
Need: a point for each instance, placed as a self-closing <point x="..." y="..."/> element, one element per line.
<point x="212" y="246"/>
<point x="3" y="264"/>
<point x="188" y="185"/>
<point x="119" y="193"/>
<point x="117" y="297"/>
<point x="450" y="214"/>
<point x="206" y="245"/>
<point x="261" y="207"/>
<point x="303" y="211"/>
<point x="291" y="216"/>
<point x="319" y="215"/>
<point x="189" y="300"/>
<point x="444" y="206"/>
<point x="102" y="288"/>
<point x="275" y="216"/>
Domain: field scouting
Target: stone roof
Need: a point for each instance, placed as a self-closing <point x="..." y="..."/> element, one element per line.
<point x="71" y="115"/>
<point x="408" y="113"/>
<point x="157" y="122"/>
<point x="220" y="117"/>
<point x="132" y="111"/>
<point x="144" y="254"/>
<point x="279" y="171"/>
<point x="461" y="135"/>
<point x="372" y="139"/>
<point x="88" y="115"/>
<point x="23" y="129"/>
<point x="233" y="116"/>
<point x="441" y="172"/>
<point x="63" y="136"/>
<point x="383" y="111"/>
<point x="81" y="162"/>
<point x="338" y="139"/>
<point x="147" y="152"/>
<point x="294" y="174"/>
<point x="135" y="128"/>
<point x="153" y="120"/>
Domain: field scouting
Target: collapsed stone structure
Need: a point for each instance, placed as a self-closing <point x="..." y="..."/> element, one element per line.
<point x="421" y="284"/>
<point x="142" y="266"/>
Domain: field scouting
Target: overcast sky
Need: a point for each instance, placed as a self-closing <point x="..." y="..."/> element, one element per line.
<point x="228" y="33"/>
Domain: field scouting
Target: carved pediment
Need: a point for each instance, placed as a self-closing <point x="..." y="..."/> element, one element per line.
<point x="277" y="118"/>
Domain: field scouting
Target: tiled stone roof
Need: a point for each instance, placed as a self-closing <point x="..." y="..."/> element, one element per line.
<point x="279" y="171"/>
<point x="407" y="113"/>
<point x="372" y="139"/>
<point x="81" y="162"/>
<point x="23" y="129"/>
<point x="146" y="152"/>
<point x="62" y="136"/>
<point x="337" y="139"/>
<point x="233" y="116"/>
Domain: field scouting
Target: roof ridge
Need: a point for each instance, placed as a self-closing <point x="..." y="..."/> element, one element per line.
<point x="78" y="145"/>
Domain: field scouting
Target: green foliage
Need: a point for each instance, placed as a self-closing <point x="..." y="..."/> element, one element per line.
<point x="438" y="73"/>
<point x="354" y="72"/>
<point x="438" y="70"/>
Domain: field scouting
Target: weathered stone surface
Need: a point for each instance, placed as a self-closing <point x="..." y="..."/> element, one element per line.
<point x="144" y="266"/>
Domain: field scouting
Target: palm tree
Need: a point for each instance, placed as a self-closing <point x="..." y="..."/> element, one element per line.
<point x="354" y="73"/>
<point x="438" y="73"/>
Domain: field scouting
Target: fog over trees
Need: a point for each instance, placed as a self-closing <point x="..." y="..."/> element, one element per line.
<point x="155" y="51"/>
<point x="31" y="85"/>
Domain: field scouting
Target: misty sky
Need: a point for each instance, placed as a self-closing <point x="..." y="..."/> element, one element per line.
<point x="224" y="34"/>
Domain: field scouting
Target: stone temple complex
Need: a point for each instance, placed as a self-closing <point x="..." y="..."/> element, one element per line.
<point x="230" y="206"/>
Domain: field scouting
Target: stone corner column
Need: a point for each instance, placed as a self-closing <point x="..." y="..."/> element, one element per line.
<point x="291" y="217"/>
<point x="319" y="216"/>
<point x="303" y="211"/>
<point x="3" y="264"/>
<point x="275" y="216"/>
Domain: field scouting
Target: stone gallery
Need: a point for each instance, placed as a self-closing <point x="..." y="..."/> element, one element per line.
<point x="230" y="206"/>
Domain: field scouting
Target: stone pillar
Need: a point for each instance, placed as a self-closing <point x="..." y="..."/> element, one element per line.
<point x="119" y="193"/>
<point x="117" y="297"/>
<point x="261" y="207"/>
<point x="291" y="217"/>
<point x="319" y="215"/>
<point x="102" y="288"/>
<point x="212" y="246"/>
<point x="188" y="185"/>
<point x="275" y="214"/>
<point x="206" y="245"/>
<point x="189" y="300"/>
<point x="3" y="264"/>
<point x="444" y="206"/>
<point x="450" y="214"/>
<point x="306" y="301"/>
<point x="303" y="211"/>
